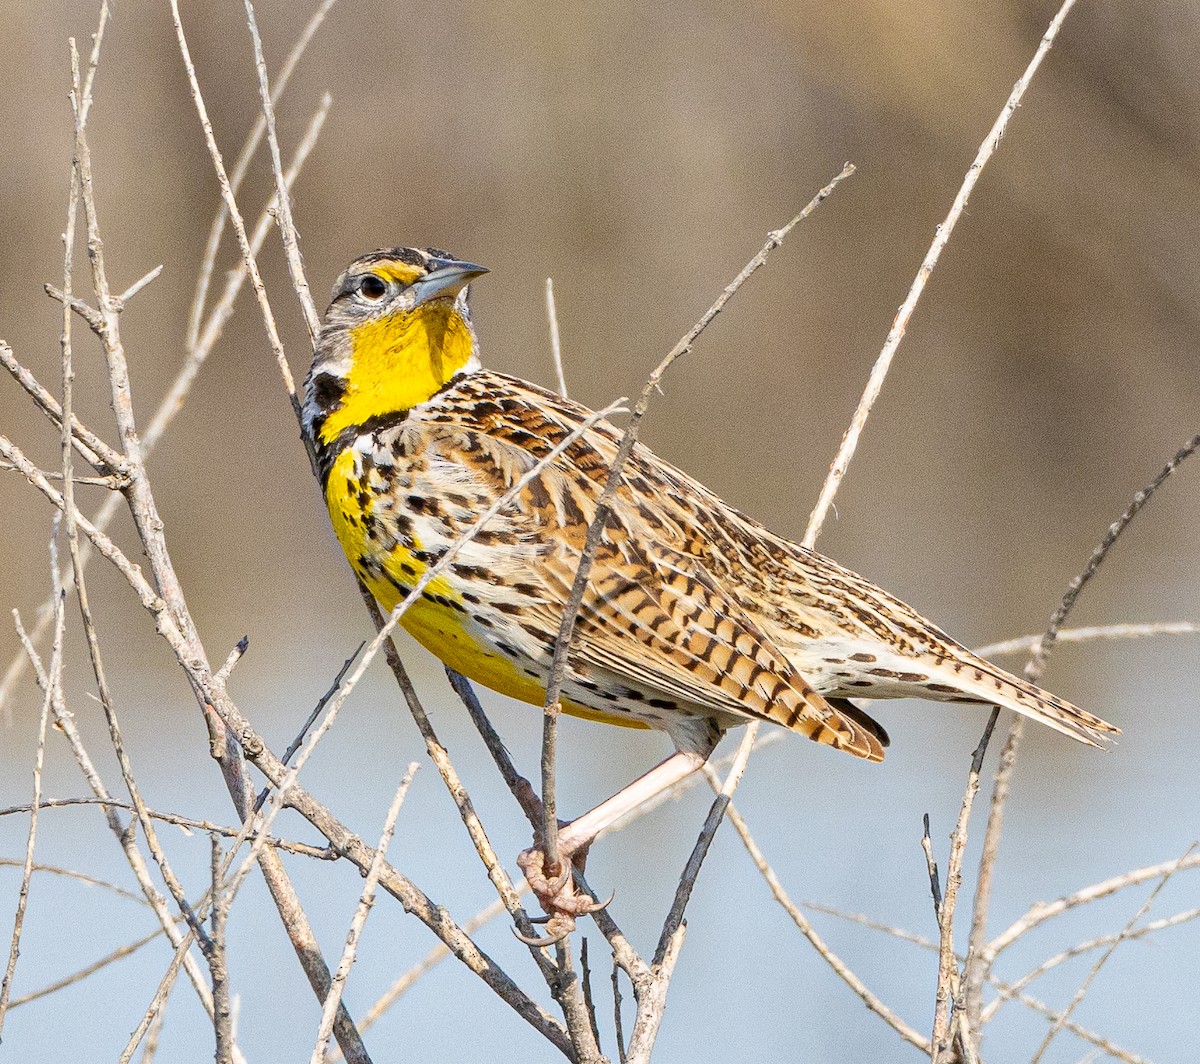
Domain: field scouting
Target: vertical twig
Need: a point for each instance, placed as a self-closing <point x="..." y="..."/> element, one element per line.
<point x="555" y="339"/>
<point x="242" y="165"/>
<point x="287" y="228"/>
<point x="217" y="957"/>
<point x="365" y="902"/>
<point x="617" y="1024"/>
<point x="55" y="684"/>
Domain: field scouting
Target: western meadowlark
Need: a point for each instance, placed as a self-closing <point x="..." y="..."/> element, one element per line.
<point x="696" y="618"/>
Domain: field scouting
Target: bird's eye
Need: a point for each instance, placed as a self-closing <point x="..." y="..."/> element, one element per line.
<point x="372" y="288"/>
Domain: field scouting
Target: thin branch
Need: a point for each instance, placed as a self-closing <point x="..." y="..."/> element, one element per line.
<point x="304" y="849"/>
<point x="652" y="999"/>
<point x="942" y="236"/>
<point x="138" y="285"/>
<point x="603" y="505"/>
<point x="241" y="166"/>
<point x="111" y="483"/>
<point x="1025" y="643"/>
<point x="287" y="228"/>
<point x="555" y="339"/>
<point x="840" y="968"/>
<point x="617" y="1025"/>
<point x="978" y="961"/>
<point x="215" y="953"/>
<point x="39" y="758"/>
<point x="365" y="902"/>
<point x="404" y="890"/>
<point x="935" y="883"/>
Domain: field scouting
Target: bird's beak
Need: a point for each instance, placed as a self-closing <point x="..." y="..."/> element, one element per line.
<point x="447" y="278"/>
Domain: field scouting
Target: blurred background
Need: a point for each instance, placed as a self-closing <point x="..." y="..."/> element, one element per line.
<point x="639" y="154"/>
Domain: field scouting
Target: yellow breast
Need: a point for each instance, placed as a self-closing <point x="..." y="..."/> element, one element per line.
<point x="441" y="621"/>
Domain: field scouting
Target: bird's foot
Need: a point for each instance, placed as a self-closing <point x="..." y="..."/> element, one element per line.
<point x="554" y="887"/>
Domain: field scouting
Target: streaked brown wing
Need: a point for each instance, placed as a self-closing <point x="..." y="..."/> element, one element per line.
<point x="655" y="617"/>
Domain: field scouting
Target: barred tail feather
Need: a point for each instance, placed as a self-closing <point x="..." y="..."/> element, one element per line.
<point x="997" y="687"/>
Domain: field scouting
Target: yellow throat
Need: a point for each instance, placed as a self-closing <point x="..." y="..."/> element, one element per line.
<point x="400" y="360"/>
<point x="397" y="331"/>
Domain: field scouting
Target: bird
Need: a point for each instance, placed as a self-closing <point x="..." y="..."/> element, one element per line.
<point x="695" y="617"/>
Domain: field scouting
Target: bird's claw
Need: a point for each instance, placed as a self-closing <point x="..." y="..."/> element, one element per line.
<point x="556" y="894"/>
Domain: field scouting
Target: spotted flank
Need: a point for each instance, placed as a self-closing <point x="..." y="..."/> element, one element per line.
<point x="695" y="617"/>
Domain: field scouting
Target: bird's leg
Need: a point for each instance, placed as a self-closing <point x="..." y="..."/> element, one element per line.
<point x="556" y="890"/>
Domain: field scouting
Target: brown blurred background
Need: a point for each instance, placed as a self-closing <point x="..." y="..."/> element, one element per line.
<point x="639" y="154"/>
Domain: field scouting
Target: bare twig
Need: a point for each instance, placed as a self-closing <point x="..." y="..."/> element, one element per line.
<point x="935" y="883"/>
<point x="942" y="236"/>
<point x="112" y="483"/>
<point x="366" y="900"/>
<point x="137" y="286"/>
<point x="1026" y="643"/>
<point x="14" y="949"/>
<point x="978" y="962"/>
<point x="555" y="339"/>
<point x="617" y="1024"/>
<point x="431" y="959"/>
<point x="188" y="823"/>
<point x="173" y="402"/>
<point x="216" y="955"/>
<point x="230" y="662"/>
<point x="242" y="165"/>
<point x="287" y="228"/>
<point x="611" y="484"/>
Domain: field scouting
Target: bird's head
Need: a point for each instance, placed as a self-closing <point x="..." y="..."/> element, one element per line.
<point x="396" y="332"/>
